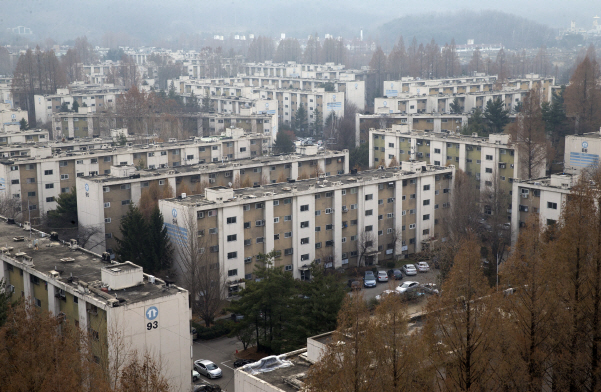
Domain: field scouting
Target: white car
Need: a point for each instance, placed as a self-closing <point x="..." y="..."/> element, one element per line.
<point x="195" y="375"/>
<point x="409" y="269"/>
<point x="407" y="287"/>
<point x="207" y="368"/>
<point x="422" y="266"/>
<point x="382" y="276"/>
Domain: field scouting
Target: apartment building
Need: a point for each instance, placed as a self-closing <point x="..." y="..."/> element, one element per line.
<point x="5" y="94"/>
<point x="102" y="200"/>
<point x="483" y="158"/>
<point x="100" y="297"/>
<point x="9" y="117"/>
<point x="93" y="98"/>
<point x="543" y="198"/>
<point x="291" y="69"/>
<point x="432" y="122"/>
<point x="16" y="136"/>
<point x="231" y="96"/>
<point x="370" y="216"/>
<point x="39" y="179"/>
<point x="466" y="85"/>
<point x="441" y="103"/>
<point x="581" y="152"/>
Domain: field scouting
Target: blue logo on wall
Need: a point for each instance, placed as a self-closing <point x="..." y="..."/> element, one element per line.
<point x="584" y="144"/>
<point x="152" y="313"/>
<point x="174" y="213"/>
<point x="87" y="188"/>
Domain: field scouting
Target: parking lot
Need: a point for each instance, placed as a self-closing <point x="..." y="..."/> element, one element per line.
<point x="421" y="277"/>
<point x="221" y="352"/>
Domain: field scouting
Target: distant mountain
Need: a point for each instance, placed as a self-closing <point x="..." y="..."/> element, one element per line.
<point x="484" y="27"/>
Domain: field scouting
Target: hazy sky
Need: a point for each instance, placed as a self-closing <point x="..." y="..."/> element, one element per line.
<point x="153" y="19"/>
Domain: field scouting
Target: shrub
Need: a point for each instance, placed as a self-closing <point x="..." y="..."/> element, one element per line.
<point x="390" y="264"/>
<point x="219" y="329"/>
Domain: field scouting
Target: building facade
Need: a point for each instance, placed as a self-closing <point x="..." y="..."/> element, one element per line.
<point x="581" y="152"/>
<point x="102" y="200"/>
<point x="340" y="221"/>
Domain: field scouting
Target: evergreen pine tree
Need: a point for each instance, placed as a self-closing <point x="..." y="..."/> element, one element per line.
<point x="496" y="115"/>
<point x="133" y="244"/>
<point x="75" y="106"/>
<point x="160" y="251"/>
<point x="23" y="124"/>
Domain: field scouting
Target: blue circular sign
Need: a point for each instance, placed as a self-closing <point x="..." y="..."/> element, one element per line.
<point x="174" y="213"/>
<point x="152" y="313"/>
<point x="87" y="187"/>
<point x="584" y="144"/>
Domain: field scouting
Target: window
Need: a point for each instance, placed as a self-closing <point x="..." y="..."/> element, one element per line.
<point x="30" y="194"/>
<point x="489" y="157"/>
<point x="287" y="201"/>
<point x="47" y="172"/>
<point x="232" y="272"/>
<point x="329" y="227"/>
<point x="304" y="241"/>
<point x="232" y="255"/>
<point x="412" y="196"/>
<point x="328" y="210"/>
<point x="369" y="197"/>
<point x="32" y="207"/>
<point x="49" y="186"/>
<point x="30" y="180"/>
<point x="246" y="207"/>
<point x="488" y="170"/>
<point x="288" y="234"/>
<point x="369" y="212"/>
<point x="551" y="205"/>
<point x="426" y="217"/>
<point x="247" y="225"/>
<point x="390" y="215"/>
<point x="317" y="228"/>
<point x="369" y="228"/>
<point x="14" y="168"/>
<point x="161" y="182"/>
<point x="50" y="199"/>
<point x="287" y="218"/>
<point x="427" y="202"/>
<point x="328" y="194"/>
<point x="258" y="206"/>
<point x="426" y="187"/>
<point x="389" y="231"/>
<point x="125" y="202"/>
<point x="305" y="257"/>
<point x="107" y="159"/>
<point x="107" y="204"/>
<point x="412" y="226"/>
<point x="353" y="222"/>
<point x="247" y="242"/>
<point x="126" y="186"/>
<point x="412" y="211"/>
<point x="80" y="162"/>
<point x="437" y="151"/>
<point x="353" y="206"/>
<point x="289" y="251"/>
<point x="276" y="203"/>
<point x="214" y="249"/>
<point x="380" y="201"/>
<point x="260" y="240"/>
<point x="318" y="213"/>
<point x="259" y="223"/>
<point x="213" y="230"/>
<point x="304" y="207"/>
<point x="380" y="217"/>
<point x="426" y="232"/>
<point x="232" y="237"/>
<point x="288" y="267"/>
<point x="64" y="176"/>
<point x="304" y="224"/>
<point x="276" y="219"/>
<point x="231" y="219"/>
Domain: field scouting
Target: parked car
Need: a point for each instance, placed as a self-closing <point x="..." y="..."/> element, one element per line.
<point x="422" y="266"/>
<point x="193" y="333"/>
<point x="386" y="293"/>
<point x="382" y="276"/>
<point x="395" y="273"/>
<point x="430" y="288"/>
<point x="407" y="287"/>
<point x="369" y="280"/>
<point x="195" y="375"/>
<point x="207" y="368"/>
<point x="355" y="284"/>
<point x="236" y="317"/>
<point x="409" y="269"/>
<point x="206" y="387"/>
<point x="241" y="362"/>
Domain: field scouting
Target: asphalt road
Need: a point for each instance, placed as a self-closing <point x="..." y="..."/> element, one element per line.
<point x="221" y="352"/>
<point x="421" y="277"/>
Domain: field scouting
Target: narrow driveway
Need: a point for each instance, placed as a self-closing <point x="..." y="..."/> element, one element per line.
<point x="221" y="352"/>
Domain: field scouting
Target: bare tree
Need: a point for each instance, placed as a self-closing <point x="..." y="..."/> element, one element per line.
<point x="90" y="236"/>
<point x="365" y="244"/>
<point x="10" y="207"/>
<point x="201" y="274"/>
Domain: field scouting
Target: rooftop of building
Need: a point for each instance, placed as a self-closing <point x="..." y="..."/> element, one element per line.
<point x="590" y="135"/>
<point x="73" y="266"/>
<point x="216" y="166"/>
<point x="407" y="169"/>
<point x="562" y="182"/>
<point x="451" y="137"/>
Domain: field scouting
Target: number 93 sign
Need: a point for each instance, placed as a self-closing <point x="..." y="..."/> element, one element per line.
<point x="152" y="313"/>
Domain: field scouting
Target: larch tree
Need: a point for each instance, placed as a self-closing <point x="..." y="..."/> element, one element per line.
<point x="378" y="64"/>
<point x="583" y="96"/>
<point x="528" y="135"/>
<point x="460" y="325"/>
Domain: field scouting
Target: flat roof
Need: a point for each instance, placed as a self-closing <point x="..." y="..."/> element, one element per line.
<point x="278" y="377"/>
<point x="443" y="136"/>
<point x="74" y="265"/>
<point x="210" y="167"/>
<point x="284" y="189"/>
